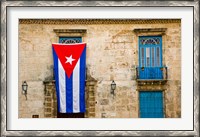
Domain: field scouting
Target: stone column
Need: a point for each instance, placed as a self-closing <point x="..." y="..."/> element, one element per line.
<point x="90" y="98"/>
<point x="50" y="101"/>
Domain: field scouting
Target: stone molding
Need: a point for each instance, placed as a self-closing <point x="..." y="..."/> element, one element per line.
<point x="151" y="87"/>
<point x="70" y="32"/>
<point x="150" y="30"/>
<point x="98" y="21"/>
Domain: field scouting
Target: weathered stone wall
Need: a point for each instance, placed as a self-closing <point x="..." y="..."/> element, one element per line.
<point x="35" y="99"/>
<point x="112" y="54"/>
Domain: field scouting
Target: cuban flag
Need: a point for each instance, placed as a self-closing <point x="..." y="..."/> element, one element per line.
<point x="69" y="68"/>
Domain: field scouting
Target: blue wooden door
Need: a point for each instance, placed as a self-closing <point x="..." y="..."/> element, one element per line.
<point x="150" y="57"/>
<point x="151" y="104"/>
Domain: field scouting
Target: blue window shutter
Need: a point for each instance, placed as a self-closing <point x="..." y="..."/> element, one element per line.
<point x="151" y="104"/>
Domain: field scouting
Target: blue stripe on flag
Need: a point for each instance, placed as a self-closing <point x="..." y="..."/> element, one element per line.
<point x="55" y="58"/>
<point x="82" y="80"/>
<point x="69" y="94"/>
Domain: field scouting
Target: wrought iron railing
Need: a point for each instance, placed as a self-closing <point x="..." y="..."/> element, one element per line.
<point x="151" y="72"/>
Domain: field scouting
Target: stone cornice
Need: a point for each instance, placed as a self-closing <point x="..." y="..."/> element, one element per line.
<point x="98" y="21"/>
<point x="70" y="30"/>
<point x="150" y="30"/>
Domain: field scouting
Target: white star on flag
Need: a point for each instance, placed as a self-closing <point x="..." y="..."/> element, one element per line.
<point x="69" y="60"/>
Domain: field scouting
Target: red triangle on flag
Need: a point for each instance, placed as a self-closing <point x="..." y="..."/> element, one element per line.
<point x="69" y="55"/>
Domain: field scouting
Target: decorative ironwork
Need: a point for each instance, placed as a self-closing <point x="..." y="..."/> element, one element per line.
<point x="68" y="41"/>
<point x="150" y="41"/>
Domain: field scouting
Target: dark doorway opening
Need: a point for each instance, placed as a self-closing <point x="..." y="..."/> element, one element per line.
<point x="70" y="115"/>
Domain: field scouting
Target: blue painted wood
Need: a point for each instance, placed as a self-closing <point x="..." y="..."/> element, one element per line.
<point x="151" y="66"/>
<point x="151" y="104"/>
<point x="150" y="72"/>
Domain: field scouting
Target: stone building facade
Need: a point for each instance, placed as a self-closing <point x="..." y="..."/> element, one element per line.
<point x="114" y="52"/>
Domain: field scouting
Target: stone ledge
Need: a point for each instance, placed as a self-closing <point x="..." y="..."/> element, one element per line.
<point x="70" y="30"/>
<point x="47" y="113"/>
<point x="49" y="81"/>
<point x="163" y="30"/>
<point x="143" y="82"/>
<point x="151" y="88"/>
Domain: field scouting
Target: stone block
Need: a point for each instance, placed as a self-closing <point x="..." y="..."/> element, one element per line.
<point x="91" y="88"/>
<point x="131" y="108"/>
<point x="92" y="83"/>
<point x="121" y="108"/>
<point x="48" y="115"/>
<point x="48" y="99"/>
<point x="119" y="45"/>
<point x="91" y="115"/>
<point x="91" y="109"/>
<point x="91" y="98"/>
<point x="91" y="103"/>
<point x="105" y="94"/>
<point x="121" y="76"/>
<point x="123" y="39"/>
<point x="91" y="93"/>
<point x="104" y="101"/>
<point x="125" y="101"/>
<point x="48" y="104"/>
<point x="170" y="107"/>
<point x="48" y="110"/>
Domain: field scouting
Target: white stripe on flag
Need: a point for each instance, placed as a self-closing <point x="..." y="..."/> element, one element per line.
<point x="76" y="87"/>
<point x="62" y="87"/>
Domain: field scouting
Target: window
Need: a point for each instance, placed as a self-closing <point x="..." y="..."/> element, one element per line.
<point x="153" y="57"/>
<point x="147" y="57"/>
<point x="142" y="57"/>
<point x="68" y="40"/>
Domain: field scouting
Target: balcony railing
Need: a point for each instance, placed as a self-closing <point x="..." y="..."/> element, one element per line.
<point x="151" y="73"/>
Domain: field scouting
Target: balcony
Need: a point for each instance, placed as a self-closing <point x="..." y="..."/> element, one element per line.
<point x="153" y="75"/>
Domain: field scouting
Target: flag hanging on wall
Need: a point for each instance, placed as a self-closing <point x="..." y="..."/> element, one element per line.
<point x="69" y="68"/>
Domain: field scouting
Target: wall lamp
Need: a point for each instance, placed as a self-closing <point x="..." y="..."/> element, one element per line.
<point x="113" y="87"/>
<point x="24" y="89"/>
